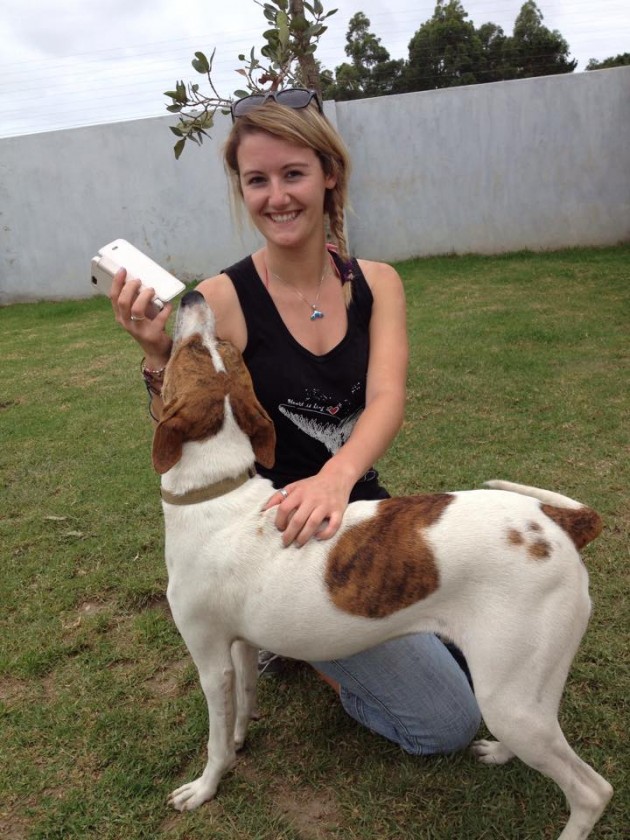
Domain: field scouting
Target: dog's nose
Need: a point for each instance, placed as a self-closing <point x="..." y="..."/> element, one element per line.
<point x="191" y="298"/>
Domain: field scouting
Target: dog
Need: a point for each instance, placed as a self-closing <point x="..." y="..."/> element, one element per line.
<point x="497" y="571"/>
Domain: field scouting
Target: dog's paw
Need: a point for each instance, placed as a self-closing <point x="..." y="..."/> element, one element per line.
<point x="491" y="752"/>
<point x="191" y="796"/>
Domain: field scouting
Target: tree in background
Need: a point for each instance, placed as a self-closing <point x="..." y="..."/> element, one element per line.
<point x="535" y="50"/>
<point x="621" y="60"/>
<point x="494" y="66"/>
<point x="371" y="71"/>
<point x="445" y="52"/>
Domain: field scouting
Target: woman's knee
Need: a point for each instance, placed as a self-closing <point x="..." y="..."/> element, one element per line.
<point x="447" y="734"/>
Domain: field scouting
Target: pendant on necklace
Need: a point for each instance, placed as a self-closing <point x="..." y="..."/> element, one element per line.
<point x="316" y="313"/>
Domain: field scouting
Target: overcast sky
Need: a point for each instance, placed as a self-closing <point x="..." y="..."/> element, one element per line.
<point x="65" y="63"/>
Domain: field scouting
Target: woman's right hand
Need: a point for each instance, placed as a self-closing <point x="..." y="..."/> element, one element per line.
<point x="135" y="312"/>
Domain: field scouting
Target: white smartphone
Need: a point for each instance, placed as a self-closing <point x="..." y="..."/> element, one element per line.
<point x="121" y="254"/>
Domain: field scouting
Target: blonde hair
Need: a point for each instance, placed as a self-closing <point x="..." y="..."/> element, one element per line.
<point x="303" y="127"/>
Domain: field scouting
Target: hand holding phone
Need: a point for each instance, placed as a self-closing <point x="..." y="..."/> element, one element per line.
<point x="121" y="254"/>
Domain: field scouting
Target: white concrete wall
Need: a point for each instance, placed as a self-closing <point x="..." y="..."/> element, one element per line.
<point x="535" y="164"/>
<point x="541" y="163"/>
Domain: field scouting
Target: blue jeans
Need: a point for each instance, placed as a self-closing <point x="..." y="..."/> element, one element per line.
<point x="411" y="691"/>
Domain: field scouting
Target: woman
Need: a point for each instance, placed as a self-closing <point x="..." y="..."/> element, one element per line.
<point x="324" y="339"/>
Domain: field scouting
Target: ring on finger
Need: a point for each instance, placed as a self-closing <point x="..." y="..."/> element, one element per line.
<point x="136" y="318"/>
<point x="284" y="493"/>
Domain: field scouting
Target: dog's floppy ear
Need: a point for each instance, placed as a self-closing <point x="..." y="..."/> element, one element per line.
<point x="168" y="440"/>
<point x="249" y="413"/>
<point x="256" y="423"/>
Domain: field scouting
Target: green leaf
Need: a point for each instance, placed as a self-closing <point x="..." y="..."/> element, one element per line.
<point x="283" y="29"/>
<point x="176" y="130"/>
<point x="317" y="7"/>
<point x="178" y="148"/>
<point x="178" y="95"/>
<point x="201" y="64"/>
<point x="239" y="94"/>
<point x="299" y="24"/>
<point x="174" y="109"/>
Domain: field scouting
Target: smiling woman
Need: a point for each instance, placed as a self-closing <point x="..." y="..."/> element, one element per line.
<point x="323" y="336"/>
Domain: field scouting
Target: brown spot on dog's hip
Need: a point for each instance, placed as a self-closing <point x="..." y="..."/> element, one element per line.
<point x="537" y="548"/>
<point x="540" y="549"/>
<point x="385" y="564"/>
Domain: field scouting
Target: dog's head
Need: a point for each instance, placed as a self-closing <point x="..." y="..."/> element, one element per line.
<point x="201" y="373"/>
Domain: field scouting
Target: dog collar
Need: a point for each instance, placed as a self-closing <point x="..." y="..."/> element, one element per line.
<point x="205" y="494"/>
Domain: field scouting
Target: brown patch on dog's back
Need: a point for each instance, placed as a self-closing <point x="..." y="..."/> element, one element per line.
<point x="515" y="537"/>
<point x="582" y="524"/>
<point x="385" y="564"/>
<point x="539" y="550"/>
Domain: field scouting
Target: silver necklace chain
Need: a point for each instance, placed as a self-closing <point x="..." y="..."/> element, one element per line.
<point x="316" y="313"/>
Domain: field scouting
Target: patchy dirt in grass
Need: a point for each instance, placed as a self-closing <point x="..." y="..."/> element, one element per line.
<point x="12" y="690"/>
<point x="83" y="613"/>
<point x="12" y="826"/>
<point x="313" y="814"/>
<point x="170" y="681"/>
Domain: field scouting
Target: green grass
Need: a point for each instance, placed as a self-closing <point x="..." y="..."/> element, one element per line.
<point x="519" y="370"/>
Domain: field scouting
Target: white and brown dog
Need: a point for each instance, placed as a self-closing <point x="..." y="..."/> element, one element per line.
<point x="497" y="571"/>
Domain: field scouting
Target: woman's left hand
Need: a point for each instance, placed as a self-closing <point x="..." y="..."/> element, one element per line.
<point x="312" y="507"/>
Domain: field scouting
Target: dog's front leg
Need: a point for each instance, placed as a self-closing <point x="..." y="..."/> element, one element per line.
<point x="245" y="659"/>
<point x="217" y="680"/>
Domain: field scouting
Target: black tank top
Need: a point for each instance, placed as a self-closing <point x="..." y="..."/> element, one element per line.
<point x="314" y="401"/>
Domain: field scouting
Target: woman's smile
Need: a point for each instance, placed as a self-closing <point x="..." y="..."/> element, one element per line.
<point x="283" y="218"/>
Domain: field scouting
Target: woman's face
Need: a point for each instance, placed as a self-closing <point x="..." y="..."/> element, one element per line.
<point x="283" y="187"/>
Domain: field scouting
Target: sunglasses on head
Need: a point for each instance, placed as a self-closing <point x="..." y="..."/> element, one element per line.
<point x="296" y="98"/>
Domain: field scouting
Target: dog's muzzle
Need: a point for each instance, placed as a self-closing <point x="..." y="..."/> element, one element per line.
<point x="191" y="298"/>
<point x="194" y="316"/>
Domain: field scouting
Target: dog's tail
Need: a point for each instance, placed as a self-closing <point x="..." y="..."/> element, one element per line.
<point x="580" y="522"/>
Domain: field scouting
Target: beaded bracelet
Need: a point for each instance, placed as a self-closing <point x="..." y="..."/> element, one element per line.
<point x="153" y="379"/>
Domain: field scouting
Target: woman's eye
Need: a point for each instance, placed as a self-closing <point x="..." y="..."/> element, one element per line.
<point x="294" y="173"/>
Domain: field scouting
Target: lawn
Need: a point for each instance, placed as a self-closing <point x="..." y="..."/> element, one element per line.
<point x="519" y="370"/>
